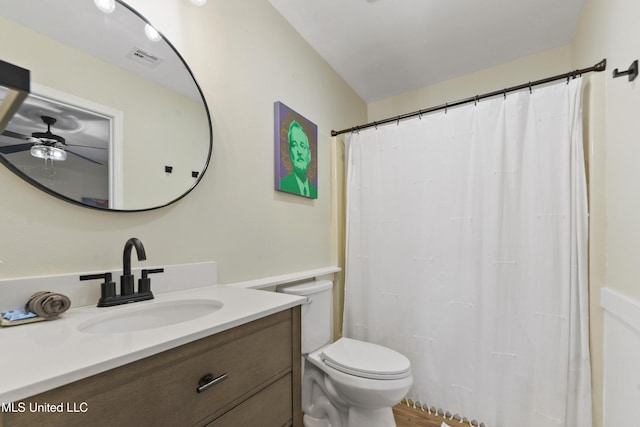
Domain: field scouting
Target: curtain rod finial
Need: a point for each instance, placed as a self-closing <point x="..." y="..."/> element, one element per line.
<point x="601" y="66"/>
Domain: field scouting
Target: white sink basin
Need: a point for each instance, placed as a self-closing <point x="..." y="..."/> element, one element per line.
<point x="149" y="316"/>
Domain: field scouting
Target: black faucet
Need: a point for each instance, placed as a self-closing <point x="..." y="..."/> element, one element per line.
<point x="108" y="295"/>
<point x="126" y="280"/>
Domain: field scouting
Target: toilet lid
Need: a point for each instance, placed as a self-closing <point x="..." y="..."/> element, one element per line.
<point x="365" y="360"/>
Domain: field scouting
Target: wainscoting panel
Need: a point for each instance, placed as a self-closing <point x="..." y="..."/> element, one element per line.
<point x="621" y="358"/>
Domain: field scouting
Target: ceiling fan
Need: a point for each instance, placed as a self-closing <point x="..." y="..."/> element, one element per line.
<point x="46" y="145"/>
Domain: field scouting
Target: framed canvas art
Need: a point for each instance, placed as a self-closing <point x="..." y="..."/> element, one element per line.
<point x="296" y="153"/>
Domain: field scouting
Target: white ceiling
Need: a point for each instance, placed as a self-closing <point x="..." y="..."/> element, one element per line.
<point x="382" y="48"/>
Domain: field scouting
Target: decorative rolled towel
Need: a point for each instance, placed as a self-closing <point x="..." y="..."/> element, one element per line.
<point x="48" y="305"/>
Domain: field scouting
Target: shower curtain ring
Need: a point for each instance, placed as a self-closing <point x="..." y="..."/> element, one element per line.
<point x="571" y="75"/>
<point x="446" y="106"/>
<point x="530" y="91"/>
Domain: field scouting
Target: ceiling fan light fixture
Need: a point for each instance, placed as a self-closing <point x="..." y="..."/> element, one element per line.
<point x="105" y="6"/>
<point x="48" y="153"/>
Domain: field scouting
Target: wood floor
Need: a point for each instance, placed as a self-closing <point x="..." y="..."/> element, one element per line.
<point x="407" y="416"/>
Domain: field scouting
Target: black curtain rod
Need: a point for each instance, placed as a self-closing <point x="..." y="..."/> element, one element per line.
<point x="600" y="66"/>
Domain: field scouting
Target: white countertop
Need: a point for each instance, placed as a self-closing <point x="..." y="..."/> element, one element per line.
<point x="41" y="356"/>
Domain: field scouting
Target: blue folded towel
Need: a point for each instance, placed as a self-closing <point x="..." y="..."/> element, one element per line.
<point x="18" y="314"/>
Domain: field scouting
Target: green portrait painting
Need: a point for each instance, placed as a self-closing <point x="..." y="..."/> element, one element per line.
<point x="296" y="147"/>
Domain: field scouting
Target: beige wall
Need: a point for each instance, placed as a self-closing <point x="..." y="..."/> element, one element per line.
<point x="529" y="68"/>
<point x="588" y="46"/>
<point x="607" y="30"/>
<point x="245" y="57"/>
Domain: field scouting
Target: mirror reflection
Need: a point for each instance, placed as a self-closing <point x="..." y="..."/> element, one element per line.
<point x="114" y="119"/>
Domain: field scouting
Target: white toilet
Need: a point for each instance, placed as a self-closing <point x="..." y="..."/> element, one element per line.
<point x="348" y="383"/>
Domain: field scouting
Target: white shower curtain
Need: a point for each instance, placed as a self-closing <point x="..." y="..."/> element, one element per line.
<point x="467" y="252"/>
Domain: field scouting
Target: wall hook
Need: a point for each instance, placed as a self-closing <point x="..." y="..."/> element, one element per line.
<point x="632" y="72"/>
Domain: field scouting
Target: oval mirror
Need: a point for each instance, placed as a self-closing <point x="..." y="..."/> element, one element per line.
<point x="115" y="119"/>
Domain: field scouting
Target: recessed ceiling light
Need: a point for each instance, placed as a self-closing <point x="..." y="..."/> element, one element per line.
<point x="106" y="6"/>
<point x="199" y="2"/>
<point x="152" y="33"/>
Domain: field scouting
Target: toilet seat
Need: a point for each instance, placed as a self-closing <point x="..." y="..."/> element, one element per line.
<point x="365" y="360"/>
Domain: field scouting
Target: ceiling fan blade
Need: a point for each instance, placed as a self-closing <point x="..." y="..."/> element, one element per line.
<point x="86" y="146"/>
<point x="10" y="149"/>
<point x="16" y="135"/>
<point x="84" y="157"/>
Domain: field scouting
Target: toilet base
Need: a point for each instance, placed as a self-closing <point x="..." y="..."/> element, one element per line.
<point x="382" y="417"/>
<point x="357" y="418"/>
<point x="315" y="422"/>
<point x="325" y="405"/>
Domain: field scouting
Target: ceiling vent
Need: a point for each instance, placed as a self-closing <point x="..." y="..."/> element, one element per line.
<point x="143" y="57"/>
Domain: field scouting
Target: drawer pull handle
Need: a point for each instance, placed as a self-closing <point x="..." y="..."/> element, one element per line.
<point x="207" y="381"/>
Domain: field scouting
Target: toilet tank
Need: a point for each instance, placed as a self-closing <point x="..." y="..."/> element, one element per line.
<point x="316" y="312"/>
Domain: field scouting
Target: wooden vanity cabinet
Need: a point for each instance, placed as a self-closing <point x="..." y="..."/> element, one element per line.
<point x="261" y="360"/>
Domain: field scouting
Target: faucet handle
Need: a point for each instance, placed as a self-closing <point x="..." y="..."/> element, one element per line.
<point x="146" y="272"/>
<point x="105" y="276"/>
<point x="144" y="283"/>
<point x="107" y="288"/>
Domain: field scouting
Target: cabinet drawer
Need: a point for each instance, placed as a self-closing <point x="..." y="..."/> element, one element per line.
<point x="161" y="390"/>
<point x="248" y="362"/>
<point x="270" y="408"/>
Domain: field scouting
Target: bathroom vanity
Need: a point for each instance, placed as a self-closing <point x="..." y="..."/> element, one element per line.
<point x="239" y="366"/>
